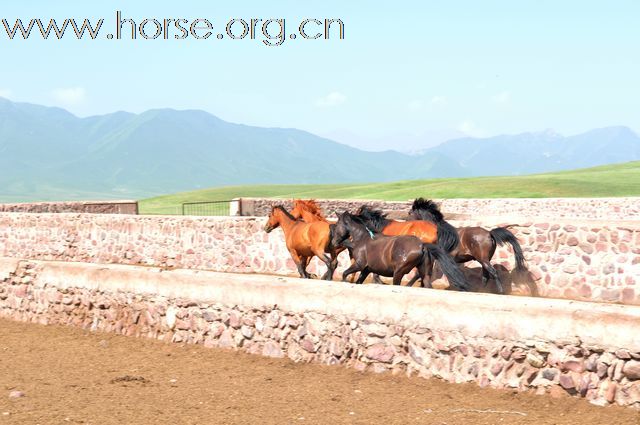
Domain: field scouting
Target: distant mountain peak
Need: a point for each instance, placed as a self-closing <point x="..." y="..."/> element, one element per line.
<point x="617" y="130"/>
<point x="49" y="150"/>
<point x="551" y="133"/>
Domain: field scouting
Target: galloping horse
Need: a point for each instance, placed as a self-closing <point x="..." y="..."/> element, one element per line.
<point x="476" y="243"/>
<point x="304" y="241"/>
<point x="309" y="211"/>
<point x="426" y="231"/>
<point x="391" y="256"/>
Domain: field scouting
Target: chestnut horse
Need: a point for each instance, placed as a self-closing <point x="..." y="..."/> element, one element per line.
<point x="304" y="241"/>
<point x="476" y="243"/>
<point x="309" y="211"/>
<point x="426" y="231"/>
<point x="391" y="256"/>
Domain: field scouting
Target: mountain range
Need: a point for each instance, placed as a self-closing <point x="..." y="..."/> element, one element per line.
<point x="49" y="153"/>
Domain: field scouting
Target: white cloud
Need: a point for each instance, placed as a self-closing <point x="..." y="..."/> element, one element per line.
<point x="470" y="129"/>
<point x="332" y="99"/>
<point x="438" y="100"/>
<point x="504" y="97"/>
<point x="6" y="93"/>
<point x="70" y="96"/>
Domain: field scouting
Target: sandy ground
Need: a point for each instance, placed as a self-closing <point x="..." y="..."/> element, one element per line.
<point x="72" y="376"/>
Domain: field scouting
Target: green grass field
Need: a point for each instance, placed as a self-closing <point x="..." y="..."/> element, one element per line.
<point x="608" y="180"/>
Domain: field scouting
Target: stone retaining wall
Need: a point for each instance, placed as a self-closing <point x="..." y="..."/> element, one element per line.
<point x="93" y="207"/>
<point x="587" y="350"/>
<point x="537" y="208"/>
<point x="593" y="261"/>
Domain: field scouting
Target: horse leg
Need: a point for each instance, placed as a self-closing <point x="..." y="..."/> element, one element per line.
<point x="328" y="261"/>
<point x="376" y="279"/>
<point x="363" y="275"/>
<point x="415" y="277"/>
<point x="307" y="260"/>
<point x="334" y="265"/>
<point x="533" y="287"/>
<point x="421" y="271"/>
<point x="487" y="268"/>
<point x="400" y="272"/>
<point x="426" y="270"/>
<point x="353" y="277"/>
<point x="485" y="275"/>
<point x="352" y="269"/>
<point x="302" y="263"/>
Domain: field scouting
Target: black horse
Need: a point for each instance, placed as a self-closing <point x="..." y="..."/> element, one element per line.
<point x="476" y="243"/>
<point x="391" y="256"/>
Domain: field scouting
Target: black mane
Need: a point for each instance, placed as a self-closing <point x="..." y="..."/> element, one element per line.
<point x="427" y="210"/>
<point x="374" y="219"/>
<point x="281" y="208"/>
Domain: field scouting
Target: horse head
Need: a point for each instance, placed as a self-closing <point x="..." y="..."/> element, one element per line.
<point x="341" y="230"/>
<point x="275" y="218"/>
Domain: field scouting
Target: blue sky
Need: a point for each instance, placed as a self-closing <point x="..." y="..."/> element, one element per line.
<point x="408" y="74"/>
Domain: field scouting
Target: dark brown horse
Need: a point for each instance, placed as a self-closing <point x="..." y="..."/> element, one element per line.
<point x="476" y="243"/>
<point x="391" y="256"/>
<point x="304" y="241"/>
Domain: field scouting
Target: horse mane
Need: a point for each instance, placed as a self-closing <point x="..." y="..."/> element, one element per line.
<point x="376" y="218"/>
<point x="427" y="210"/>
<point x="287" y="213"/>
<point x="362" y="222"/>
<point x="311" y="206"/>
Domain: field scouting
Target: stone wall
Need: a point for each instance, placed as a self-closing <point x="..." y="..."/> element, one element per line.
<point x="596" y="261"/>
<point x="261" y="207"/>
<point x="93" y="207"/>
<point x="537" y="208"/>
<point x="585" y="349"/>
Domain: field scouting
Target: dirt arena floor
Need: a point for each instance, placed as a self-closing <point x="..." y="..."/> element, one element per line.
<point x="72" y="376"/>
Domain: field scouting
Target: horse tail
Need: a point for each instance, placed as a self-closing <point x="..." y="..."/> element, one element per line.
<point x="501" y="236"/>
<point x="448" y="238"/>
<point x="449" y="267"/>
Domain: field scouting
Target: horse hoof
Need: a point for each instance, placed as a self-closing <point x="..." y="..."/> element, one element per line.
<point x="313" y="276"/>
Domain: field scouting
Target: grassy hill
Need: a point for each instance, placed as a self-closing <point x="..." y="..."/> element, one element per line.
<point x="609" y="180"/>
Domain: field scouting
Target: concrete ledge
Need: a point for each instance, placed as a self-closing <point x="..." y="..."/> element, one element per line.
<point x="474" y="315"/>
